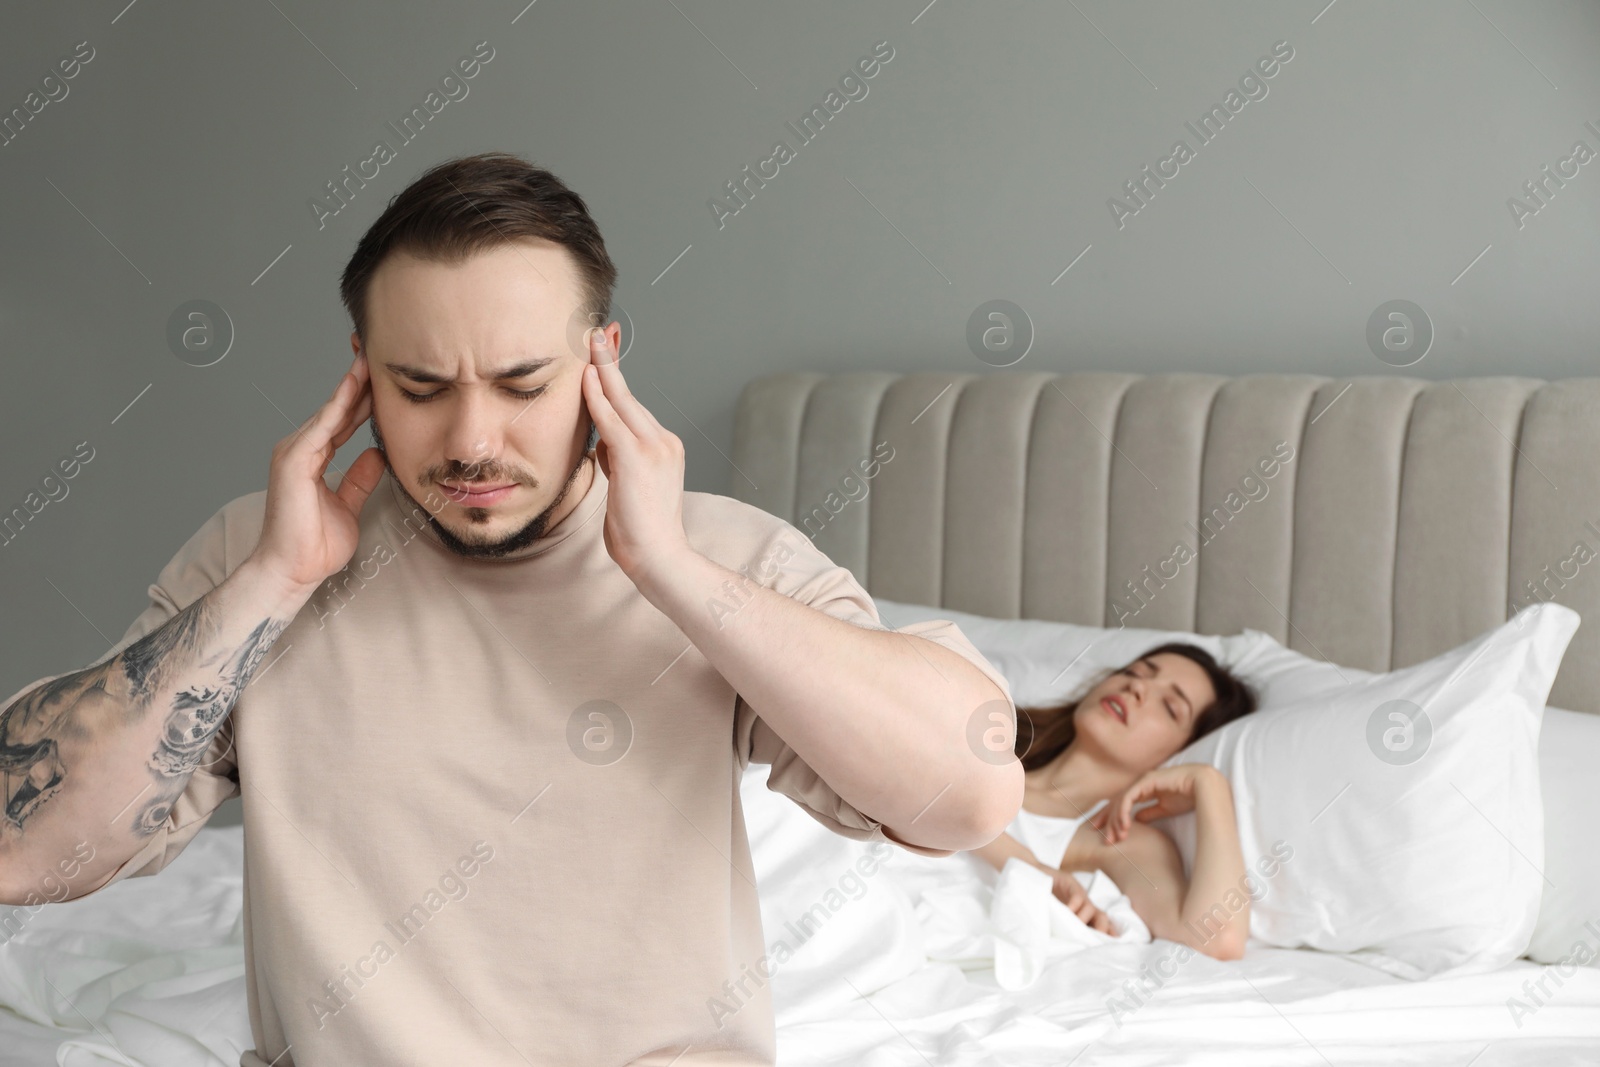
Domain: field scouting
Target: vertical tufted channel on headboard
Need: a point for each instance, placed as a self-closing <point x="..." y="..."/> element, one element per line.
<point x="1372" y="521"/>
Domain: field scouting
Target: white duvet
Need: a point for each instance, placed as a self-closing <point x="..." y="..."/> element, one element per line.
<point x="1010" y="923"/>
<point x="919" y="961"/>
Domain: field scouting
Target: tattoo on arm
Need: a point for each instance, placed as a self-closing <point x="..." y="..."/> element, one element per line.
<point x="147" y="660"/>
<point x="197" y="714"/>
<point x="77" y="706"/>
<point x="31" y="771"/>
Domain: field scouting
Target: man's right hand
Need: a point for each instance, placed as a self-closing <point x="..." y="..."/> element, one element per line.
<point x="311" y="531"/>
<point x="98" y="757"/>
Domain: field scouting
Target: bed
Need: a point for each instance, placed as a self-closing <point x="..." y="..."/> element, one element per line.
<point x="1416" y="515"/>
<point x="1419" y="514"/>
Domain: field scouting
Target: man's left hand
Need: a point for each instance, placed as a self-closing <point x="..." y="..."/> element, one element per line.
<point x="642" y="460"/>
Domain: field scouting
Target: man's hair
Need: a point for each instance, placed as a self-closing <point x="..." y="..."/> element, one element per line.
<point x="473" y="204"/>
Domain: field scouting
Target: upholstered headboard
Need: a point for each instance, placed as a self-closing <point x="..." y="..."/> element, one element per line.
<point x="1372" y="521"/>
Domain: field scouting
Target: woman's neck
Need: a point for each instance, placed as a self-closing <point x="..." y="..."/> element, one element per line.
<point x="1074" y="782"/>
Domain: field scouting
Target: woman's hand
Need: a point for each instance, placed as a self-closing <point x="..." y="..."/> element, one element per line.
<point x="1172" y="788"/>
<point x="1070" y="892"/>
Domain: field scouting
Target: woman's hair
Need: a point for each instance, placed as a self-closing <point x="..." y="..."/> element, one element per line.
<point x="473" y="204"/>
<point x="1044" y="733"/>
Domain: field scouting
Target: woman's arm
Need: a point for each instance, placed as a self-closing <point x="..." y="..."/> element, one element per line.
<point x="1217" y="903"/>
<point x="1002" y="848"/>
<point x="1210" y="910"/>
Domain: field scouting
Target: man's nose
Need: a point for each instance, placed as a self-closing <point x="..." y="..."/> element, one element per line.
<point x="474" y="438"/>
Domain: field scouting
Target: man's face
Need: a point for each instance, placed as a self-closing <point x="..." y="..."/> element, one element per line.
<point x="476" y="399"/>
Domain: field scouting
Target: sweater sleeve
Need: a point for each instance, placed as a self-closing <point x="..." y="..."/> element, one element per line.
<point x="809" y="576"/>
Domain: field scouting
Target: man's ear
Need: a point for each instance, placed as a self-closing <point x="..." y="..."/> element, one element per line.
<point x="355" y="343"/>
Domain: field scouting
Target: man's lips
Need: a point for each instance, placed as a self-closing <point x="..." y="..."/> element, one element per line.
<point x="1113" y="705"/>
<point x="477" y="496"/>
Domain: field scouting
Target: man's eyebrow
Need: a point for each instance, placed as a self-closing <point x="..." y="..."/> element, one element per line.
<point x="427" y="377"/>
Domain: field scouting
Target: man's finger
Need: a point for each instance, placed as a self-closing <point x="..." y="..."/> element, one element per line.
<point x="605" y="417"/>
<point x="357" y="415"/>
<point x="637" y="417"/>
<point x="317" y="430"/>
<point x="360" y="479"/>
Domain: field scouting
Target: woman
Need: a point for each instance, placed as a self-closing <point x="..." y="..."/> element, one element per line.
<point x="1089" y="762"/>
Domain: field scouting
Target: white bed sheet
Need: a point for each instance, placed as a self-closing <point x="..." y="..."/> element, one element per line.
<point x="151" y="971"/>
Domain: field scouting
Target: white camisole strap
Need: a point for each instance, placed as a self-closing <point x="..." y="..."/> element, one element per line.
<point x="1048" y="836"/>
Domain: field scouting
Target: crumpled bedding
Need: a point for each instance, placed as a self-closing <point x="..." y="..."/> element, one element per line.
<point x="923" y="961"/>
<point x="1014" y="924"/>
<point x="149" y="971"/>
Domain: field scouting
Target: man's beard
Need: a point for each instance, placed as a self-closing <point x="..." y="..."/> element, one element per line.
<point x="534" y="529"/>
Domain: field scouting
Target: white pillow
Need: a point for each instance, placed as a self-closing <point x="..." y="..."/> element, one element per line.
<point x="1568" y="929"/>
<point x="1281" y="675"/>
<point x="1408" y="804"/>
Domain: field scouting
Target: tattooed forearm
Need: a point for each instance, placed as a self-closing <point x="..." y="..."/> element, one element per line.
<point x="37" y="775"/>
<point x="31" y="771"/>
<point x="78" y="709"/>
<point x="198" y="711"/>
<point x="154" y="814"/>
<point x="103" y="754"/>
<point x="32" y="728"/>
<point x="149" y="658"/>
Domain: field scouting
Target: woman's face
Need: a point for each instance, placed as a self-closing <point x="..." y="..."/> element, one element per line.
<point x="1142" y="715"/>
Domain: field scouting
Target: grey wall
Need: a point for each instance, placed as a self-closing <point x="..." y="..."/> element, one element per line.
<point x="979" y="166"/>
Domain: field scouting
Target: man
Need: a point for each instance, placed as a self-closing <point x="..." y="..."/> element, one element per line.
<point x="488" y="704"/>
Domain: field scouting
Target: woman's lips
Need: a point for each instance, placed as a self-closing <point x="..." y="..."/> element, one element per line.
<point x="478" y="497"/>
<point x="1111" y="706"/>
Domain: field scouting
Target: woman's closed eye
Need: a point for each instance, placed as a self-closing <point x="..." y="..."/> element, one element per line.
<point x="1172" y="708"/>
